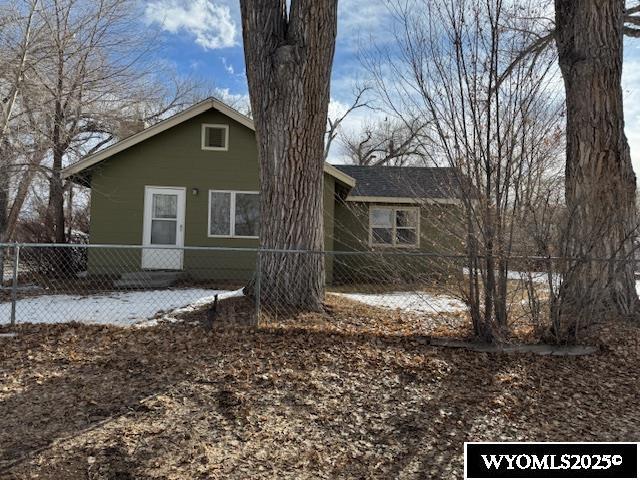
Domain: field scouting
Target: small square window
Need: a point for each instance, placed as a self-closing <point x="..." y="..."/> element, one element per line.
<point x="215" y="137"/>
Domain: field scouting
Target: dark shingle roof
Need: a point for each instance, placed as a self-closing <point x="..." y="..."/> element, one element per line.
<point x="407" y="182"/>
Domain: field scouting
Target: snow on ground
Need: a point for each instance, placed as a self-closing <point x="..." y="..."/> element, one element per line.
<point x="201" y="302"/>
<point x="119" y="308"/>
<point x="146" y="308"/>
<point x="536" y="277"/>
<point x="419" y="302"/>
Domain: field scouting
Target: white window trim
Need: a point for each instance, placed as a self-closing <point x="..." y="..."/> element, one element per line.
<point x="394" y="243"/>
<point x="232" y="213"/>
<point x="204" y="137"/>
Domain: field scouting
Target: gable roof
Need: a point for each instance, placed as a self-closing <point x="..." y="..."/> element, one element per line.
<point x="402" y="184"/>
<point x="191" y="112"/>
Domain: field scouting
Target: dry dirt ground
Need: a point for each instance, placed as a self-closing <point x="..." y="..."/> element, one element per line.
<point x="350" y="394"/>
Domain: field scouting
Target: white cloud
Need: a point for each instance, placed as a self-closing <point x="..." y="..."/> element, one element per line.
<point x="209" y="22"/>
<point x="239" y="101"/>
<point x="361" y="20"/>
<point x="228" y="66"/>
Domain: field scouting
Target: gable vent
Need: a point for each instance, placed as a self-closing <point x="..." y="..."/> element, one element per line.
<point x="215" y="137"/>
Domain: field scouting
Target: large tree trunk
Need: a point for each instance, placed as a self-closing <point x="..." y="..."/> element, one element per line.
<point x="20" y="197"/>
<point x="289" y="59"/>
<point x="55" y="210"/>
<point x="55" y="207"/>
<point x="600" y="183"/>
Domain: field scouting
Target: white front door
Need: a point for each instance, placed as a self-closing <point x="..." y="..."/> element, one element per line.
<point x="163" y="227"/>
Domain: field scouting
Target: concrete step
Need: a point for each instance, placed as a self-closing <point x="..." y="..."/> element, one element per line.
<point x="148" y="279"/>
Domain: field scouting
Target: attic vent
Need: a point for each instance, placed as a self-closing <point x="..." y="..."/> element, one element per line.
<point x="215" y="137"/>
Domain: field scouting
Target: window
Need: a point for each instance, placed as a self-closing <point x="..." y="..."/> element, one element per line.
<point x="164" y="217"/>
<point x="234" y="214"/>
<point x="215" y="137"/>
<point x="393" y="226"/>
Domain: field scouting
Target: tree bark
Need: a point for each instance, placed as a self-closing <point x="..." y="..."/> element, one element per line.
<point x="289" y="57"/>
<point x="20" y="197"/>
<point x="55" y="210"/>
<point x="55" y="207"/>
<point x="600" y="182"/>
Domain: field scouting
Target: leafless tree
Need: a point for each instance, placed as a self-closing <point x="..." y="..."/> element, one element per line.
<point x="289" y="49"/>
<point x="94" y="83"/>
<point x="600" y="182"/>
<point x="333" y="124"/>
<point x="600" y="186"/>
<point x="17" y="43"/>
<point x="387" y="142"/>
<point x="497" y="131"/>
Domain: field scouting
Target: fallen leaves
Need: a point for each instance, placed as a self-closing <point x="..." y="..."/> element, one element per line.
<point x="353" y="393"/>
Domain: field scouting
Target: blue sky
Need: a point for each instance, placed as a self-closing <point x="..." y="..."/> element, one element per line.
<point x="203" y="39"/>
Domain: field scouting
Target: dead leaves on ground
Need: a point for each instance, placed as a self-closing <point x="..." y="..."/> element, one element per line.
<point x="353" y="393"/>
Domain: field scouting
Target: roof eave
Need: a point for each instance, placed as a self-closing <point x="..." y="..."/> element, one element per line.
<point x="73" y="170"/>
<point x="403" y="200"/>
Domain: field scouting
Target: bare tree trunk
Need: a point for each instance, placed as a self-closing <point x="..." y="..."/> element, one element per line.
<point x="600" y="182"/>
<point x="20" y="197"/>
<point x="289" y="59"/>
<point x="55" y="208"/>
<point x="10" y="100"/>
<point x="69" y="217"/>
<point x="4" y="205"/>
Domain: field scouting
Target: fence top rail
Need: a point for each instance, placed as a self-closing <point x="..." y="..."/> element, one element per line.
<point x="379" y="252"/>
<point x="225" y="249"/>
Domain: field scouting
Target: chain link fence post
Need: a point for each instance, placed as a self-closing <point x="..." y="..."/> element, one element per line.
<point x="14" y="285"/>
<point x="257" y="285"/>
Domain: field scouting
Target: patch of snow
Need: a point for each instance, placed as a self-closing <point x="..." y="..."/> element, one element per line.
<point x="171" y="316"/>
<point x="419" y="302"/>
<point x="120" y="308"/>
<point x="536" y="277"/>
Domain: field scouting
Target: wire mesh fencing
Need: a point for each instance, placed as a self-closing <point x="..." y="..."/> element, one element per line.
<point x="138" y="285"/>
<point x="119" y="285"/>
<point x="129" y="285"/>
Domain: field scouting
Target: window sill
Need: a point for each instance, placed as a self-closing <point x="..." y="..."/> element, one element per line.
<point x="233" y="237"/>
<point x="215" y="149"/>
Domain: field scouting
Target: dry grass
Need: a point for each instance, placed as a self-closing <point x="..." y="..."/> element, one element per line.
<point x="353" y="393"/>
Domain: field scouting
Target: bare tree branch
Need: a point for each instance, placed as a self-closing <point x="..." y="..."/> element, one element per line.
<point x="334" y="124"/>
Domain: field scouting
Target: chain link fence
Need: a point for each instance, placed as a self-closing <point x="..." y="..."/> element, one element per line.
<point x="129" y="285"/>
<point x="136" y="285"/>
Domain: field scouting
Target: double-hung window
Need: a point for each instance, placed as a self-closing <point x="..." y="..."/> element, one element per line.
<point x="394" y="226"/>
<point x="234" y="214"/>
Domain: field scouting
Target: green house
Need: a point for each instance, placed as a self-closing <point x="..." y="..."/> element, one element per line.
<point x="192" y="180"/>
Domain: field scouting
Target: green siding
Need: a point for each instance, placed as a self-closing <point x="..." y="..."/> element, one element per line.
<point x="174" y="158"/>
<point x="438" y="224"/>
<point x="328" y="220"/>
